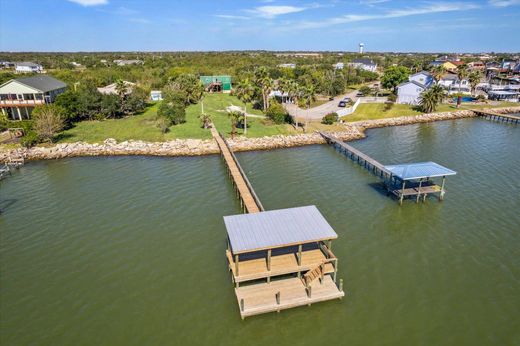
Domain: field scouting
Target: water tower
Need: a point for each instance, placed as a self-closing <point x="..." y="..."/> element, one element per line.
<point x="361" y="48"/>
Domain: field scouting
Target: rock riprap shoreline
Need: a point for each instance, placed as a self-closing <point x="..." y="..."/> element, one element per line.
<point x="197" y="147"/>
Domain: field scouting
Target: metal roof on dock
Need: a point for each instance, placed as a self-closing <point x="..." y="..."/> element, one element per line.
<point x="277" y="228"/>
<point x="421" y="170"/>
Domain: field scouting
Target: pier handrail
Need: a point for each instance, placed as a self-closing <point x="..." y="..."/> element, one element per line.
<point x="242" y="173"/>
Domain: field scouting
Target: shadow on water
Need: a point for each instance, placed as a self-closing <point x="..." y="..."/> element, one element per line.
<point x="380" y="188"/>
<point x="6" y="204"/>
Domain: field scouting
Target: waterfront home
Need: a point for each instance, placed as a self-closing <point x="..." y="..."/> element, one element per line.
<point x="111" y="89"/>
<point x="18" y="97"/>
<point x="504" y="95"/>
<point x="156" y="95"/>
<point x="364" y="64"/>
<point x="476" y="66"/>
<point x="410" y="92"/>
<point x="28" y="67"/>
<point x="448" y="65"/>
<point x="451" y="82"/>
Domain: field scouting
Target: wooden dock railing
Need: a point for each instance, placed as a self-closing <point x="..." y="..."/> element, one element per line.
<point x="496" y="116"/>
<point x="248" y="198"/>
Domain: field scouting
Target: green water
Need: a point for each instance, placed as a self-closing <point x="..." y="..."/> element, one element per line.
<point x="130" y="250"/>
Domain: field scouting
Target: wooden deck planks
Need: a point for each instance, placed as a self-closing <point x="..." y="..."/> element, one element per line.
<point x="505" y="117"/>
<point x="280" y="265"/>
<point x="261" y="298"/>
<point x="245" y="193"/>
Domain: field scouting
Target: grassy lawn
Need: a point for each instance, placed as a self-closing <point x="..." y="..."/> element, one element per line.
<point x="143" y="127"/>
<point x="370" y="111"/>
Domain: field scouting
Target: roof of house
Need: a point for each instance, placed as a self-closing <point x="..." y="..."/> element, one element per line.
<point x="277" y="228"/>
<point x="363" y="61"/>
<point x="112" y="88"/>
<point x="412" y="82"/>
<point x="426" y="73"/>
<point x="421" y="170"/>
<point x="27" y="63"/>
<point x="41" y="83"/>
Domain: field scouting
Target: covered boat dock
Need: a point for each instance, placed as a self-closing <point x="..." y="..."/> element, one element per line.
<point x="281" y="259"/>
<point x="415" y="180"/>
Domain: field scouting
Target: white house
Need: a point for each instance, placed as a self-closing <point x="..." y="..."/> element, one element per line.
<point x="121" y="62"/>
<point x="339" y="66"/>
<point x="451" y="83"/>
<point x="28" y="67"/>
<point x="410" y="92"/>
<point x="287" y="66"/>
<point x="156" y="95"/>
<point x="364" y="64"/>
<point x="18" y="97"/>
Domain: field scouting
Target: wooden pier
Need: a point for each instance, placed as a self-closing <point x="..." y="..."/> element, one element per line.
<point x="514" y="119"/>
<point x="403" y="181"/>
<point x="249" y="201"/>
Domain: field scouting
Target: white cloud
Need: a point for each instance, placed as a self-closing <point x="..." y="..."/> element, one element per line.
<point x="274" y="11"/>
<point x="90" y="2"/>
<point x="406" y="12"/>
<point x="504" y="3"/>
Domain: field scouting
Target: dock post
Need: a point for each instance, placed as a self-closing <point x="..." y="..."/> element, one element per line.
<point x="269" y="260"/>
<point x="236" y="264"/>
<point x="300" y="254"/>
<point x="278" y="300"/>
<point x="441" y="195"/>
<point x="402" y="193"/>
<point x="242" y="305"/>
<point x="419" y="191"/>
<point x="335" y="270"/>
<point x="341" y="285"/>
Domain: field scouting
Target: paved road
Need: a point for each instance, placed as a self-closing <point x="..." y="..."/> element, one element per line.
<point x="317" y="113"/>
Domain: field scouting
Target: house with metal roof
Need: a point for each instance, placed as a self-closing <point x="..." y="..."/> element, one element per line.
<point x="28" y="67"/>
<point x="410" y="92"/>
<point x="19" y="96"/>
<point x="364" y="64"/>
<point x="285" y="257"/>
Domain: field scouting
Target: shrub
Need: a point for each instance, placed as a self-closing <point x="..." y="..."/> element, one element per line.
<point x="365" y="90"/>
<point x="29" y="140"/>
<point x="48" y="120"/>
<point x="174" y="112"/>
<point x="392" y="98"/>
<point x="276" y="113"/>
<point x="329" y="119"/>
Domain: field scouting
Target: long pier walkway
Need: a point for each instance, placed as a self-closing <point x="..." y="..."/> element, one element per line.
<point x="249" y="201"/>
<point x="366" y="161"/>
<point x="514" y="119"/>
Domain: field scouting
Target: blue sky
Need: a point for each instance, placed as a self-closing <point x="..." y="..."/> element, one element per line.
<point x="153" y="25"/>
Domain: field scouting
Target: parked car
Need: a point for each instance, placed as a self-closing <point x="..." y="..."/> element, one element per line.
<point x="360" y="94"/>
<point x="342" y="104"/>
<point x="347" y="99"/>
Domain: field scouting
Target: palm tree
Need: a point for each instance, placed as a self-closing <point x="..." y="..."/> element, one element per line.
<point x="283" y="86"/>
<point x="264" y="81"/>
<point x="462" y="73"/>
<point x="474" y="79"/>
<point x="245" y="93"/>
<point x="205" y="120"/>
<point x="236" y="117"/>
<point x="437" y="72"/>
<point x="431" y="98"/>
<point x="308" y="95"/>
<point x="121" y="90"/>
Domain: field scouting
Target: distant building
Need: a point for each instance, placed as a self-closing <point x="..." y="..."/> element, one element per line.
<point x="287" y="65"/>
<point x="28" y="67"/>
<point x="410" y="92"/>
<point x="156" y="95"/>
<point x="364" y="64"/>
<point x="128" y="62"/>
<point x="361" y="48"/>
<point x="76" y="64"/>
<point x="216" y="83"/>
<point x="301" y="55"/>
<point x="18" y="97"/>
<point x="111" y="89"/>
<point x="477" y="66"/>
<point x="448" y="65"/>
<point x="339" y="66"/>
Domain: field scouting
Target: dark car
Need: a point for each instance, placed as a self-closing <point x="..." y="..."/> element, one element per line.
<point x="342" y="104"/>
<point x="347" y="99"/>
<point x="360" y="94"/>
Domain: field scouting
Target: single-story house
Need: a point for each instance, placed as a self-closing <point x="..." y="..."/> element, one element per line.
<point x="111" y="89"/>
<point x="28" y="67"/>
<point x="364" y="64"/>
<point x="287" y="66"/>
<point x="120" y="62"/>
<point x="156" y="95"/>
<point x="18" y="97"/>
<point x="339" y="66"/>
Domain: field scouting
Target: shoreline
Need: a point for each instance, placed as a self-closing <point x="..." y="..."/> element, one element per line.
<point x="198" y="147"/>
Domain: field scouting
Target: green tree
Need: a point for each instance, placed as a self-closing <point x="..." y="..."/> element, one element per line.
<point x="245" y="92"/>
<point x="190" y="85"/>
<point x="437" y="72"/>
<point x="276" y="112"/>
<point x="462" y="73"/>
<point x="431" y="98"/>
<point x="236" y="118"/>
<point x="393" y="76"/>
<point x="474" y="80"/>
<point x="265" y="83"/>
<point x="205" y="120"/>
<point x="48" y="120"/>
<point x="173" y="108"/>
<point x="121" y="90"/>
<point x="308" y="96"/>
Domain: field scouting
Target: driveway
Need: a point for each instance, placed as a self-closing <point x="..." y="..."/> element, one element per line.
<point x="317" y="113"/>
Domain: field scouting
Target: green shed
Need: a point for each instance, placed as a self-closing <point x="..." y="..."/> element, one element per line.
<point x="216" y="83"/>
